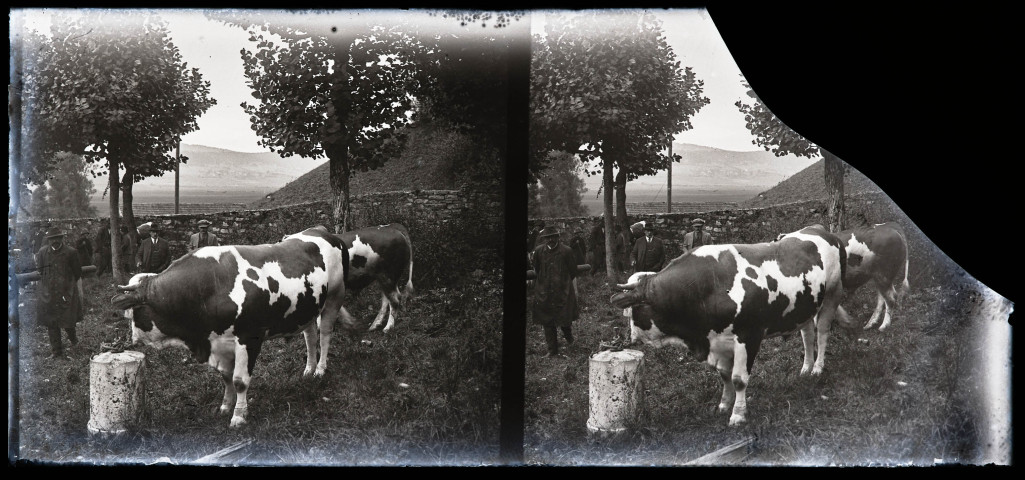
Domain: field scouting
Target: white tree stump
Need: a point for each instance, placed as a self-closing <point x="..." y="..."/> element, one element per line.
<point x="116" y="391"/>
<point x="615" y="388"/>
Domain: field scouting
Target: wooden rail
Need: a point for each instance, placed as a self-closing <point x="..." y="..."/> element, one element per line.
<point x="730" y="454"/>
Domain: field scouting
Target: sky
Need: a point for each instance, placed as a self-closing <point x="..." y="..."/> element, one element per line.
<point x="214" y="48"/>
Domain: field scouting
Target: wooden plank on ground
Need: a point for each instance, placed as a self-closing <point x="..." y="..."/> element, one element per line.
<point x="730" y="454"/>
<point x="214" y="457"/>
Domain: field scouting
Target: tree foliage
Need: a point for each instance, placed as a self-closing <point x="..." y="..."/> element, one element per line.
<point x="66" y="194"/>
<point x="608" y="87"/>
<point x="112" y="88"/>
<point x="559" y="190"/>
<point x="773" y="135"/>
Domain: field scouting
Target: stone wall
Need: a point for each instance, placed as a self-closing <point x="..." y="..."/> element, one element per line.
<point x="430" y="215"/>
<point x="757" y="225"/>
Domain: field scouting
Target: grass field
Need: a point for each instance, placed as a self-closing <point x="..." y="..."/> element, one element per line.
<point x="427" y="393"/>
<point x="911" y="395"/>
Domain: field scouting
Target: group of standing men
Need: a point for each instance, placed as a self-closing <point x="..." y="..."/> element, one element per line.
<point x="555" y="266"/>
<point x="60" y="295"/>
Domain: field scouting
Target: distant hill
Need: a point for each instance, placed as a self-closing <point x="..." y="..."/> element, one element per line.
<point x="809" y="184"/>
<point x="214" y="175"/>
<point x="427" y="163"/>
<point x="706" y="174"/>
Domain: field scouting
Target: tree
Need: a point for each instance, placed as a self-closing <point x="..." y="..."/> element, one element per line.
<point x="608" y="87"/>
<point x="342" y="86"/>
<point x="560" y="188"/>
<point x="113" y="89"/>
<point x="329" y="85"/>
<point x="773" y="135"/>
<point x="66" y="194"/>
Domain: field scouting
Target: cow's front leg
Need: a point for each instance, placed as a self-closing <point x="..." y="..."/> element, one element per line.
<point x="310" y="335"/>
<point x="222" y="358"/>
<point x="823" y="322"/>
<point x="807" y="338"/>
<point x="245" y="359"/>
<point x="729" y="394"/>
<point x="740" y="380"/>
<point x="326" y="322"/>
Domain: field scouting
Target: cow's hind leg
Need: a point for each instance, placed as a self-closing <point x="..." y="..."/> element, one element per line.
<point x="890" y="297"/>
<point x="310" y="335"/>
<point x="878" y="311"/>
<point x="381" y="314"/>
<point x="394" y="300"/>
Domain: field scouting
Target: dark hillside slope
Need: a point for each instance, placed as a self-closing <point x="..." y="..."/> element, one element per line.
<point x="429" y="162"/>
<point x="809" y="184"/>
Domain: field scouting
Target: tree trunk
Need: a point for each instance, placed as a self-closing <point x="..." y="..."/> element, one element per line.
<point x="127" y="182"/>
<point x="340" y="207"/>
<point x="337" y="144"/>
<point x="607" y="181"/>
<point x="621" y="200"/>
<point x="120" y="277"/>
<point x="834" y="176"/>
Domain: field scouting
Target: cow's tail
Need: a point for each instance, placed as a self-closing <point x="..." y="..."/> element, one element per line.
<point x="904" y="286"/>
<point x="408" y="290"/>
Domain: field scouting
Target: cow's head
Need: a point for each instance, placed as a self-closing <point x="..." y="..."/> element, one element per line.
<point x="133" y="301"/>
<point x="642" y="327"/>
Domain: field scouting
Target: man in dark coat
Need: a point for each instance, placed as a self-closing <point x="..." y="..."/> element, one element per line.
<point x="555" y="292"/>
<point x="84" y="247"/>
<point x="648" y="254"/>
<point x="154" y="252"/>
<point x="101" y="252"/>
<point x="60" y="300"/>
<point x="579" y="247"/>
<point x="622" y="250"/>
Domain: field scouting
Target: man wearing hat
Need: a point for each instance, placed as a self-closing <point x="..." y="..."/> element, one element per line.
<point x="555" y="292"/>
<point x="204" y="238"/>
<point x="648" y="255"/>
<point x="60" y="299"/>
<point x="154" y="253"/>
<point x="698" y="237"/>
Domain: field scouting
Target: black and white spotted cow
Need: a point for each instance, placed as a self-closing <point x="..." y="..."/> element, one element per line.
<point x="223" y="302"/>
<point x="721" y="301"/>
<point x="381" y="255"/>
<point x="876" y="255"/>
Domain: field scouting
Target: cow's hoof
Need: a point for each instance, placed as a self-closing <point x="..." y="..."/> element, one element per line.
<point x="236" y="422"/>
<point x="816" y="371"/>
<point x="722" y="408"/>
<point x="805" y="370"/>
<point x="224" y="410"/>
<point x="308" y="371"/>
<point x="737" y="420"/>
<point x="318" y="373"/>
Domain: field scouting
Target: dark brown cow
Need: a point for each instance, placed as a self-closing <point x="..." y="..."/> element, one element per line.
<point x="381" y="255"/>
<point x="721" y="301"/>
<point x="876" y="255"/>
<point x="223" y="302"/>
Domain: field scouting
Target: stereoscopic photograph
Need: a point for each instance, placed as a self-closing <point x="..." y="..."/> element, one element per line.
<point x="706" y="286"/>
<point x="284" y="238"/>
<point x="256" y="237"/>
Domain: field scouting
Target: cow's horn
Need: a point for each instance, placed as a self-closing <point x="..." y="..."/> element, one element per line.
<point x="128" y="288"/>
<point x="627" y="286"/>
